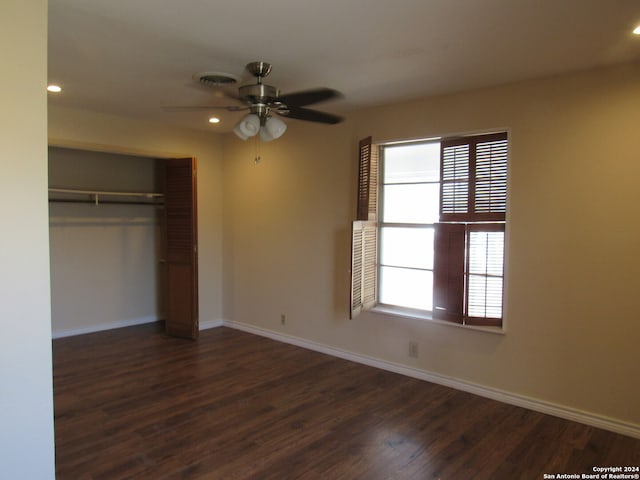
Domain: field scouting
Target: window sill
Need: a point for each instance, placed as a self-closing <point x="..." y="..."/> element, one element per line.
<point x="423" y="315"/>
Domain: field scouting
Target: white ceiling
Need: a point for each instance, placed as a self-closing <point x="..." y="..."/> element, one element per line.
<point x="130" y="57"/>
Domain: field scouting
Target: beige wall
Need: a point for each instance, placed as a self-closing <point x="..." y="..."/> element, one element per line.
<point x="26" y="400"/>
<point x="105" y="270"/>
<point x="572" y="256"/>
<point x="94" y="131"/>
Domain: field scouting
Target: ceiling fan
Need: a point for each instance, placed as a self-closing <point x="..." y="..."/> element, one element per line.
<point x="262" y="101"/>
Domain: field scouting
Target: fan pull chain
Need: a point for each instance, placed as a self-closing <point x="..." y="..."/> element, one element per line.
<point x="257" y="158"/>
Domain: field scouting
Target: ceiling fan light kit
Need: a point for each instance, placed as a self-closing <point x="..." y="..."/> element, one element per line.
<point x="247" y="127"/>
<point x="251" y="124"/>
<point x="263" y="101"/>
<point x="272" y="129"/>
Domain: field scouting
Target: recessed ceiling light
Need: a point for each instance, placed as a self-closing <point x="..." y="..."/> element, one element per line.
<point x="54" y="88"/>
<point x="637" y="30"/>
<point x="214" y="120"/>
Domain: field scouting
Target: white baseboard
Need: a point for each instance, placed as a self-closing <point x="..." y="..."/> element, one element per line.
<point x="568" y="413"/>
<point x="101" y="327"/>
<point x="211" y="324"/>
<point x="124" y="323"/>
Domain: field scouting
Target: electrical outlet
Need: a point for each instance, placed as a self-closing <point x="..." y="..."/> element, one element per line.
<point x="283" y="319"/>
<point x="413" y="349"/>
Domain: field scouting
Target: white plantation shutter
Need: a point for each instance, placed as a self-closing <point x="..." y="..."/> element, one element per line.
<point x="357" y="259"/>
<point x="364" y="237"/>
<point x="364" y="266"/>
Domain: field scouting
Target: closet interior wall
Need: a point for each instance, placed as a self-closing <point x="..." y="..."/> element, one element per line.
<point x="106" y="269"/>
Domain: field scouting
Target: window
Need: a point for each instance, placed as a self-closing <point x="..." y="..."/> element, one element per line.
<point x="435" y="241"/>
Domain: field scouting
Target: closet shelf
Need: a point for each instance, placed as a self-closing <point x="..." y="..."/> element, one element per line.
<point x="97" y="197"/>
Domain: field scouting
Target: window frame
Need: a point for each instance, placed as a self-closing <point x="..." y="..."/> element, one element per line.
<point x="471" y="221"/>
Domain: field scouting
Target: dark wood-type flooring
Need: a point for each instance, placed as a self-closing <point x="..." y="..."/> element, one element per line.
<point x="134" y="404"/>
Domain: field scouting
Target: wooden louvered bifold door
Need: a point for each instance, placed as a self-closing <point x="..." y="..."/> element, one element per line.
<point x="181" y="235"/>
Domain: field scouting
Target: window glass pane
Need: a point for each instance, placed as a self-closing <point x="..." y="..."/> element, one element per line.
<point x="412" y="163"/>
<point x="411" y="203"/>
<point x="406" y="288"/>
<point x="407" y="247"/>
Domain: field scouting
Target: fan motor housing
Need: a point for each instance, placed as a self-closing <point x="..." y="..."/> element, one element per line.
<point x="260" y="93"/>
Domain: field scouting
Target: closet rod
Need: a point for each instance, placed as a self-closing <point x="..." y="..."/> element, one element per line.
<point x="103" y="202"/>
<point x="95" y="197"/>
<point x="112" y="194"/>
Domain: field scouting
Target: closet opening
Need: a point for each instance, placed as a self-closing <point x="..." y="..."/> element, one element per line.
<point x="119" y="227"/>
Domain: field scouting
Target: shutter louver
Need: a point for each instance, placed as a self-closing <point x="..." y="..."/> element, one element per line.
<point x="491" y="178"/>
<point x="369" y="264"/>
<point x="373" y="183"/>
<point x="364" y="242"/>
<point x="364" y="167"/>
<point x="485" y="274"/>
<point x="454" y="171"/>
<point x="364" y="256"/>
<point x="357" y="256"/>
<point x="474" y="179"/>
<point x="367" y="181"/>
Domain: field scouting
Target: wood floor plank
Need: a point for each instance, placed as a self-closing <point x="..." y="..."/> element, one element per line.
<point x="133" y="403"/>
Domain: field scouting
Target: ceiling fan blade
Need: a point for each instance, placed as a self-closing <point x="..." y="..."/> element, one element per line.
<point x="309" y="115"/>
<point x="194" y="108"/>
<point x="307" y="97"/>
